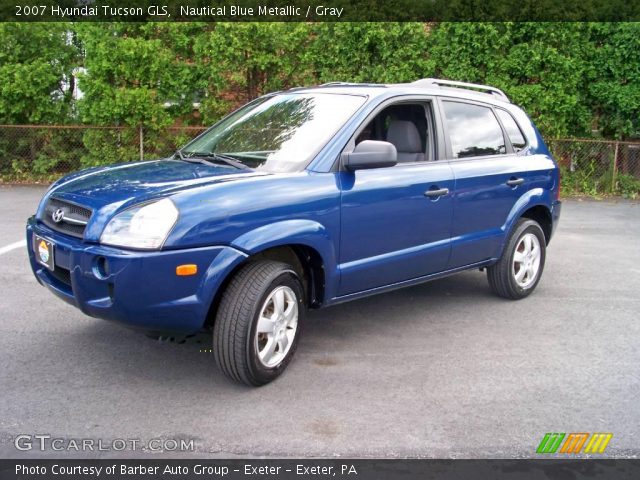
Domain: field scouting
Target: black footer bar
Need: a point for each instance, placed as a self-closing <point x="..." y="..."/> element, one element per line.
<point x="338" y="469"/>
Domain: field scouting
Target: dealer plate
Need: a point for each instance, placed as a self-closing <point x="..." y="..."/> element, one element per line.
<point x="43" y="250"/>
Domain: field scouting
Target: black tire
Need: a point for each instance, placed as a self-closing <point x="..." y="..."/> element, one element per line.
<point x="234" y="331"/>
<point x="501" y="275"/>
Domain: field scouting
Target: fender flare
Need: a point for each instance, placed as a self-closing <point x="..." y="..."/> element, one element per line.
<point x="308" y="233"/>
<point x="532" y="198"/>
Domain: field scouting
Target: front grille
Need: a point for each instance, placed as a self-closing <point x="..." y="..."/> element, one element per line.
<point x="72" y="218"/>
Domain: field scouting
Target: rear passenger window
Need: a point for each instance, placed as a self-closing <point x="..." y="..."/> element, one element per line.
<point x="513" y="130"/>
<point x="473" y="130"/>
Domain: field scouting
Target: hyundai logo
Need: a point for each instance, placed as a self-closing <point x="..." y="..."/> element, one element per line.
<point x="58" y="215"/>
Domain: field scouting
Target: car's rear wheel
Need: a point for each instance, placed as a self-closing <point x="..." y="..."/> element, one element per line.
<point x="518" y="271"/>
<point x="258" y="323"/>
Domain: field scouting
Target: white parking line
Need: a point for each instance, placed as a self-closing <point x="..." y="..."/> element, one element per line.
<point x="13" y="246"/>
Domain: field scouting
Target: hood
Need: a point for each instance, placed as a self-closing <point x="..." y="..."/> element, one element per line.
<point x="107" y="190"/>
<point x="136" y="182"/>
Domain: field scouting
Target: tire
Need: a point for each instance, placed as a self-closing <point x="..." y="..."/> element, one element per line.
<point x="266" y="295"/>
<point x="518" y="271"/>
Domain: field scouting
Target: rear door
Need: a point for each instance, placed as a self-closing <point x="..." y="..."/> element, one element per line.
<point x="490" y="177"/>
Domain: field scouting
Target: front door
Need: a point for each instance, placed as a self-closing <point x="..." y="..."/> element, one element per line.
<point x="391" y="230"/>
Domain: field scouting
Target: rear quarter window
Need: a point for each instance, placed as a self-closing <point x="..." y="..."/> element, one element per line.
<point x="516" y="137"/>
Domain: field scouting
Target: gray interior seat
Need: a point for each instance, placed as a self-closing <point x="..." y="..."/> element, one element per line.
<point x="405" y="137"/>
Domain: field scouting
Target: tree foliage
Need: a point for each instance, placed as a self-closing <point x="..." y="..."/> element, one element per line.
<point x="37" y="61"/>
<point x="539" y="66"/>
<point x="369" y="52"/>
<point x="573" y="78"/>
<point x="613" y="83"/>
<point x="137" y="73"/>
<point x="241" y="61"/>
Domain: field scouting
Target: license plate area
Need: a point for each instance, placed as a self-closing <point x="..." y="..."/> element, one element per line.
<point x="44" y="251"/>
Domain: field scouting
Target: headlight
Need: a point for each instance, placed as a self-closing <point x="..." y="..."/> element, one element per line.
<point x="146" y="226"/>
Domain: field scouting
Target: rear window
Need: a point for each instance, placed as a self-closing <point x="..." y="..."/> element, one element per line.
<point x="513" y="130"/>
<point x="473" y="130"/>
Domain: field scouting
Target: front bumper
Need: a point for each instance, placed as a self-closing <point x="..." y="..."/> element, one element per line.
<point x="140" y="289"/>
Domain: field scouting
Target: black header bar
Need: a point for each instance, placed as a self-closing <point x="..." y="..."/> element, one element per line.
<point x="319" y="10"/>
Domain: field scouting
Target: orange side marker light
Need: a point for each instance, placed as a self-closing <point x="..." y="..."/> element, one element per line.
<point x="185" y="270"/>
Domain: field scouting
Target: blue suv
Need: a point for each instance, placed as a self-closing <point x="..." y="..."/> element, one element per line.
<point x="303" y="199"/>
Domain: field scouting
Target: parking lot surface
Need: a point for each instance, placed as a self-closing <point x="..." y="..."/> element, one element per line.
<point x="444" y="369"/>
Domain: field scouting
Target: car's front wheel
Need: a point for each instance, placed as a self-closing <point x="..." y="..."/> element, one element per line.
<point x="258" y="323"/>
<point x="518" y="271"/>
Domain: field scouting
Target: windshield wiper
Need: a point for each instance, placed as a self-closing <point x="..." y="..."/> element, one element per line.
<point x="211" y="158"/>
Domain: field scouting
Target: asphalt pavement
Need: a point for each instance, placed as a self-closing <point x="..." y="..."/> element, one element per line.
<point x="444" y="369"/>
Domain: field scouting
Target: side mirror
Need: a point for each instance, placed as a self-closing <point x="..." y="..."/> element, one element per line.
<point x="371" y="154"/>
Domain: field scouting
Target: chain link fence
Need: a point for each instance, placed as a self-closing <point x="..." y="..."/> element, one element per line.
<point x="45" y="152"/>
<point x="598" y="167"/>
<point x="31" y="153"/>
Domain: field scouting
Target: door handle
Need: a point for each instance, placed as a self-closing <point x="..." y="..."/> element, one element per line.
<point x="436" y="193"/>
<point x="514" y="182"/>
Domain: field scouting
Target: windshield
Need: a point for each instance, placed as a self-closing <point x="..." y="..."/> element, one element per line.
<point x="278" y="134"/>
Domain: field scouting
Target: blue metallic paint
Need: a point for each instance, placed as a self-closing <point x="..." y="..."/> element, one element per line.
<point x="166" y="303"/>
<point x="374" y="230"/>
<point x="378" y="202"/>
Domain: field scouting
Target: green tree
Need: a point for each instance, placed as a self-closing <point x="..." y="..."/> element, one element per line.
<point x="541" y="66"/>
<point x="613" y="84"/>
<point x="369" y="52"/>
<point x="37" y="61"/>
<point x="241" y="61"/>
<point x="137" y="74"/>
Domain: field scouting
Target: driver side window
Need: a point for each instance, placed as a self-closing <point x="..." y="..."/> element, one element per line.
<point x="405" y="126"/>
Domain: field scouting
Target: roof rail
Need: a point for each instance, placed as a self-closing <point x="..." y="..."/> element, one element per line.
<point x="470" y="86"/>
<point x="352" y="84"/>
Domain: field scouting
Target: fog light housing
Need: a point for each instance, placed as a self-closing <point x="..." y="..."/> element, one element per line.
<point x="101" y="268"/>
